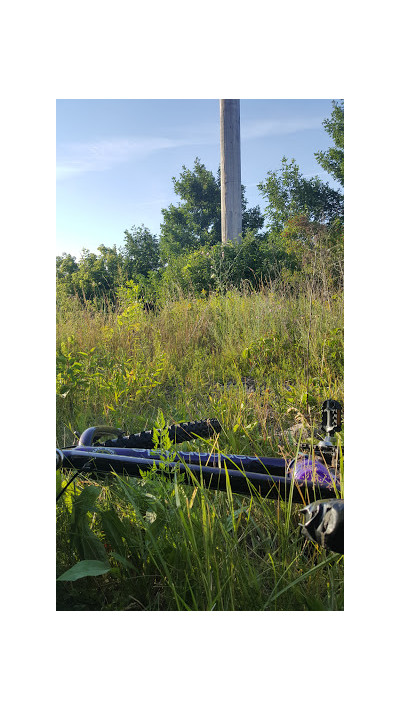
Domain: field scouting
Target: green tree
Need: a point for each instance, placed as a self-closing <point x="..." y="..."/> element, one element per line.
<point x="332" y="160"/>
<point x="196" y="221"/>
<point x="93" y="275"/>
<point x="200" y="193"/>
<point x="66" y="266"/>
<point x="141" y="252"/>
<point x="252" y="219"/>
<point x="289" y="194"/>
<point x="91" y="279"/>
<point x="113" y="267"/>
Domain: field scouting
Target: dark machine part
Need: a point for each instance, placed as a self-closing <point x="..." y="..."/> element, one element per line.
<point x="324" y="524"/>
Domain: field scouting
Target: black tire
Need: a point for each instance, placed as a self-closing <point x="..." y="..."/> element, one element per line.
<point x="182" y="432"/>
<point x="324" y="524"/>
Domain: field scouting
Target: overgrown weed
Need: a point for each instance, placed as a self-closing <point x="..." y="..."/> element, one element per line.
<point x="257" y="362"/>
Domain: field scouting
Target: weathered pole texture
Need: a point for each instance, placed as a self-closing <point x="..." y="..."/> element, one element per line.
<point x="231" y="187"/>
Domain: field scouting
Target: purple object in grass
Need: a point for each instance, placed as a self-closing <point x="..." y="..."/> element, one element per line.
<point x="307" y="469"/>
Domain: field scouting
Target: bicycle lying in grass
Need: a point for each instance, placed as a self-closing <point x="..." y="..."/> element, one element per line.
<point x="312" y="478"/>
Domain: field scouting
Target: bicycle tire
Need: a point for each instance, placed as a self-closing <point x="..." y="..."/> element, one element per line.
<point x="181" y="432"/>
<point x="324" y="524"/>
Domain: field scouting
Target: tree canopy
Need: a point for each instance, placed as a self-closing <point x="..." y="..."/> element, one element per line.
<point x="332" y="160"/>
<point x="196" y="220"/>
<point x="141" y="252"/>
<point x="289" y="193"/>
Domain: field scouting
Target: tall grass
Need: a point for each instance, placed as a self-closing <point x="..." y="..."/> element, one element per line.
<point x="262" y="362"/>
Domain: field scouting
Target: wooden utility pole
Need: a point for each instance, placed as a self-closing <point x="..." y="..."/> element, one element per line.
<point x="231" y="186"/>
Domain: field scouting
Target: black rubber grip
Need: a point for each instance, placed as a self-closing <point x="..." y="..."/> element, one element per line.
<point x="182" y="432"/>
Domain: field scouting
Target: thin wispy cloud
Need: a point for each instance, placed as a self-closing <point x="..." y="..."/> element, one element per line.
<point x="76" y="158"/>
<point x="277" y="127"/>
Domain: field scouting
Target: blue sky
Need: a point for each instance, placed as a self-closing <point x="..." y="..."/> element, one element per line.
<point x="116" y="158"/>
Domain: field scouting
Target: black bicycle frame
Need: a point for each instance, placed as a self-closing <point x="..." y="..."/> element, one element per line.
<point x="274" y="481"/>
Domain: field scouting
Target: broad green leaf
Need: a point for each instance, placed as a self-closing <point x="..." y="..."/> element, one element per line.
<point x="86" y="501"/>
<point x="89" y="546"/>
<point x="84" y="569"/>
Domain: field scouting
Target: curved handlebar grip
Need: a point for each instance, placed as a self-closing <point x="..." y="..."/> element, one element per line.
<point x="88" y="436"/>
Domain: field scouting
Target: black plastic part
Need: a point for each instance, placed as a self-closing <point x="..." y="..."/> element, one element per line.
<point x="324" y="524"/>
<point x="182" y="432"/>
